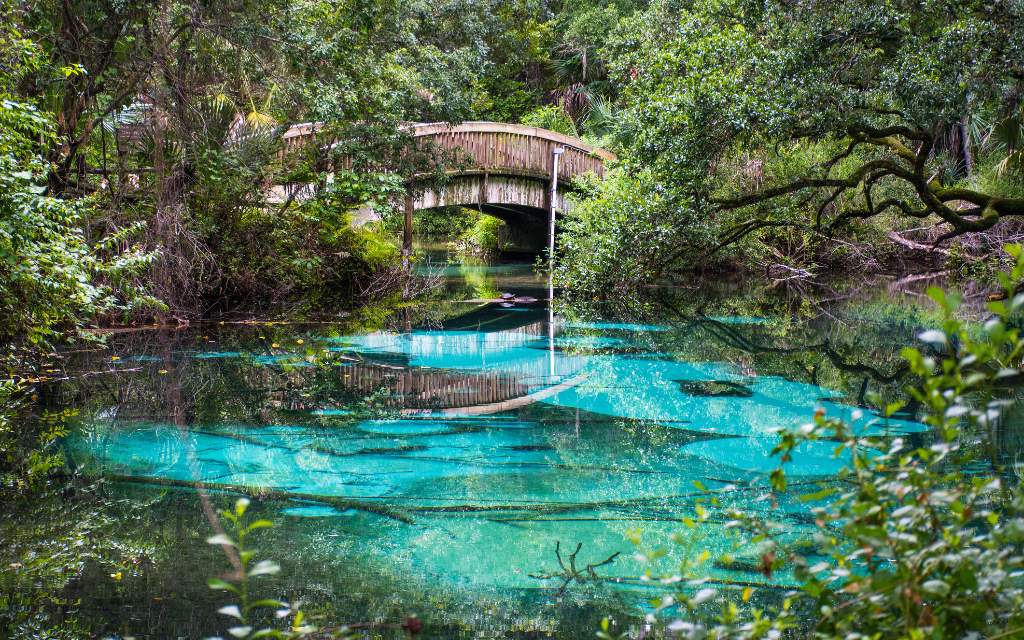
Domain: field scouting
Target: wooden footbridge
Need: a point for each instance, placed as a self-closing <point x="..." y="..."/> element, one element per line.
<point x="504" y="170"/>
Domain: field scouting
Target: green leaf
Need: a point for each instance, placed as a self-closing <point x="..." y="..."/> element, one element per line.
<point x="778" y="480"/>
<point x="265" y="567"/>
<point x="260" y="524"/>
<point x="818" y="495"/>
<point x="221" y="538"/>
<point x="221" y="585"/>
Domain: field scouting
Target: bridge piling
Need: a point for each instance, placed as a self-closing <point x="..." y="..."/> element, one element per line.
<point x="407" y="232"/>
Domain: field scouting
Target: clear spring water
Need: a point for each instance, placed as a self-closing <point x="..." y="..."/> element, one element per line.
<point x="439" y="455"/>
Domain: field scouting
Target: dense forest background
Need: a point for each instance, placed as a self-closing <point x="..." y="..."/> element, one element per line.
<point x="786" y="140"/>
<point x="797" y="139"/>
<point x="155" y="129"/>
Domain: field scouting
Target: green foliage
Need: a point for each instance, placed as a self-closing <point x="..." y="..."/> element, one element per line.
<point x="239" y="584"/>
<point x="702" y="71"/>
<point x="306" y="253"/>
<point x="186" y="155"/>
<point x="601" y="123"/>
<point x="1006" y="138"/>
<point x="552" y="117"/>
<point x="626" y="230"/>
<point x="52" y="279"/>
<point x="485" y="237"/>
<point x="766" y="119"/>
<point x="442" y="223"/>
<point x="918" y="539"/>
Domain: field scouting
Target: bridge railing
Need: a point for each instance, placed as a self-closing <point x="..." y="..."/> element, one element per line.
<point x="492" y="147"/>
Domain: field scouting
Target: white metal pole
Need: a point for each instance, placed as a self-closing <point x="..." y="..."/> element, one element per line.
<point x="556" y="154"/>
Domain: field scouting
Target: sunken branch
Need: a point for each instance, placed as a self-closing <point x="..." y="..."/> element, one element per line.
<point x="569" y="573"/>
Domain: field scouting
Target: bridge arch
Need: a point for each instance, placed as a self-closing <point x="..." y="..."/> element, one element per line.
<point x="503" y="169"/>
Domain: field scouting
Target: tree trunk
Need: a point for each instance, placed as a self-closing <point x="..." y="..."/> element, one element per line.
<point x="965" y="147"/>
<point x="181" y="252"/>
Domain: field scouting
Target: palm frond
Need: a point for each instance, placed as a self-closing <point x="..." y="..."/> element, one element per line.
<point x="259" y="121"/>
<point x="1007" y="137"/>
<point x="221" y="102"/>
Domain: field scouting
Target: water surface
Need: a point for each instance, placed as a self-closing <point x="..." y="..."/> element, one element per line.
<point x="429" y="460"/>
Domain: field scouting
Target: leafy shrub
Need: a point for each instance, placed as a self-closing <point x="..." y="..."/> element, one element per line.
<point x="485" y="237"/>
<point x="442" y="223"/>
<point x="52" y="280"/>
<point x="307" y="253"/>
<point x="625" y="232"/>
<point x="915" y="539"/>
<point x="552" y="117"/>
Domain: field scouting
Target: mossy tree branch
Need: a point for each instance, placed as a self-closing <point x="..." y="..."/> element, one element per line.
<point x="905" y="154"/>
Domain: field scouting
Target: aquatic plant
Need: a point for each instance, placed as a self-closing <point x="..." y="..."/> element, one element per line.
<point x="238" y="582"/>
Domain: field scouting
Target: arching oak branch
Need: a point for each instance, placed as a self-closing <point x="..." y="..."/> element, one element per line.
<point x="902" y="167"/>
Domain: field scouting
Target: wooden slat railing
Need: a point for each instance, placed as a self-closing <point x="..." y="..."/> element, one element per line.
<point x="494" y="147"/>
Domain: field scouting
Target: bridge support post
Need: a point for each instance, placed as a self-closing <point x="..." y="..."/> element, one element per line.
<point x="556" y="154"/>
<point x="407" y="233"/>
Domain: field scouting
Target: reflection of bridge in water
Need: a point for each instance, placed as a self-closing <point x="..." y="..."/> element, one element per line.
<point x="463" y="372"/>
<point x="429" y="389"/>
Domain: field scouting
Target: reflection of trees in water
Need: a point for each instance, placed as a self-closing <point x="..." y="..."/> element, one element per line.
<point x="854" y="364"/>
<point x="163" y="380"/>
<point x="236" y="391"/>
<point x="848" y="341"/>
<point x="795" y="338"/>
<point x="193" y="391"/>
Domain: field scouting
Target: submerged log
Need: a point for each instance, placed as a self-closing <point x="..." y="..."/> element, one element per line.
<point x="264" y="493"/>
<point x="725" y="582"/>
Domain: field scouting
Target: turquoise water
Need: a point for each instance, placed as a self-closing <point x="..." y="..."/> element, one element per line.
<point x="447" y="457"/>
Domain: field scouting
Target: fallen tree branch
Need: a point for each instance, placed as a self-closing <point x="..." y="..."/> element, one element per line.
<point x="915" y="246"/>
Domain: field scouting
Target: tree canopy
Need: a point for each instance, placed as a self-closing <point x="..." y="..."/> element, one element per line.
<point x="811" y="116"/>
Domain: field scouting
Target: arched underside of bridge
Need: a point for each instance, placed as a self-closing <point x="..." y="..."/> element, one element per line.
<point x="521" y="202"/>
